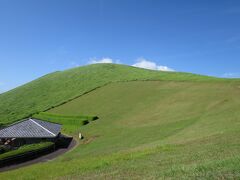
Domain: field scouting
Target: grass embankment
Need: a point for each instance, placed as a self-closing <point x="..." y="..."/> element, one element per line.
<point x="151" y="130"/>
<point x="59" y="87"/>
<point x="25" y="149"/>
<point x="71" y="124"/>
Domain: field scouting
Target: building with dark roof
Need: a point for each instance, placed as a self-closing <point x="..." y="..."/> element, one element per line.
<point x="31" y="131"/>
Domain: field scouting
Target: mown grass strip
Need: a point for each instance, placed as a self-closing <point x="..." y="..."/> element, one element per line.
<point x="70" y="123"/>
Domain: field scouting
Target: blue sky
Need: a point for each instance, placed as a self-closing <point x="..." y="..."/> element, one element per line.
<point x="39" y="37"/>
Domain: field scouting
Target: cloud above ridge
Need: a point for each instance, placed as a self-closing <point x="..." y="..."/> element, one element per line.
<point x="102" y="60"/>
<point x="231" y="75"/>
<point x="141" y="63"/>
<point x="146" y="64"/>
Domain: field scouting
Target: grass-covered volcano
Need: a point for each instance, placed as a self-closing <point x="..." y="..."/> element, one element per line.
<point x="151" y="124"/>
<point x="59" y="87"/>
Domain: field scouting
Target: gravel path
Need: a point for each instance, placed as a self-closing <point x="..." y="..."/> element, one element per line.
<point x="41" y="159"/>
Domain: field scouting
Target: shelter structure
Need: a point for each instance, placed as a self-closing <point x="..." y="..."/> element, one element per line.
<point x="29" y="131"/>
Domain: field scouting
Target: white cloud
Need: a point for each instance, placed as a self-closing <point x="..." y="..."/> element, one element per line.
<point x="146" y="64"/>
<point x="164" y="68"/>
<point x="141" y="63"/>
<point x="103" y="60"/>
<point x="231" y="75"/>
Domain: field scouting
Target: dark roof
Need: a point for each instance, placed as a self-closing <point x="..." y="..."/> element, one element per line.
<point x="31" y="128"/>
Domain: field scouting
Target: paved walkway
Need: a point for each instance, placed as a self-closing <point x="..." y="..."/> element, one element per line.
<point x="43" y="158"/>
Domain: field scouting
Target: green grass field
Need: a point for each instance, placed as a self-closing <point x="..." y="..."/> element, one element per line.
<point x="181" y="127"/>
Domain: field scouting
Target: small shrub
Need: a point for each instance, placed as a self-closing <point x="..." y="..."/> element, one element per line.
<point x="84" y="122"/>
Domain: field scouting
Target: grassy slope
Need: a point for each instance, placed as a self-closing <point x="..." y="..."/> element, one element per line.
<point x="58" y="87"/>
<point x="152" y="130"/>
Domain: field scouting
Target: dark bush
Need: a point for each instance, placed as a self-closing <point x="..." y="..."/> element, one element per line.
<point x="84" y="122"/>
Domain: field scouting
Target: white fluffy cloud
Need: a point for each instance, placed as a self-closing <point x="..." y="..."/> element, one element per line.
<point x="141" y="63"/>
<point x="146" y="64"/>
<point x="103" y="60"/>
<point x="231" y="75"/>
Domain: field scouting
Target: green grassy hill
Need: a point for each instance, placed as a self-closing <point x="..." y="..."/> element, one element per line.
<point x="59" y="87"/>
<point x="175" y="125"/>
